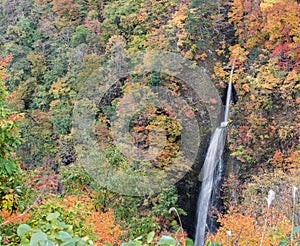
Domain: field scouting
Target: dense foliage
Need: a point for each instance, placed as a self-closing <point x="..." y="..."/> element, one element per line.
<point x="10" y="171"/>
<point x="49" y="48"/>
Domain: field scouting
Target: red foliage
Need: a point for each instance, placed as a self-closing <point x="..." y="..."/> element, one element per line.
<point x="92" y="24"/>
<point x="3" y="63"/>
<point x="65" y="9"/>
<point x="278" y="159"/>
<point x="243" y="132"/>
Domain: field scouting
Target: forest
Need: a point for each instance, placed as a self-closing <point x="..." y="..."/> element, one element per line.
<point x="108" y="109"/>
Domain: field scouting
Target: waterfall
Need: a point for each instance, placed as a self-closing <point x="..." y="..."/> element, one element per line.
<point x="212" y="170"/>
<point x="213" y="161"/>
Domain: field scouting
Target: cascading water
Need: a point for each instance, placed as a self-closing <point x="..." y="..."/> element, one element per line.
<point x="212" y="170"/>
<point x="213" y="160"/>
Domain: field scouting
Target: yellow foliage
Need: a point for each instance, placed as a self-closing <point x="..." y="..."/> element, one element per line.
<point x="268" y="3"/>
<point x="219" y="71"/>
<point x="289" y="84"/>
<point x="38" y="63"/>
<point x="180" y="16"/>
<point x="246" y="17"/>
<point x="285" y="132"/>
<point x="281" y="21"/>
<point x="238" y="53"/>
<point x="53" y="103"/>
<point x="58" y="90"/>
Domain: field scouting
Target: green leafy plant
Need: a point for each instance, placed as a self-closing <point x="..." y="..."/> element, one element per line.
<point x="74" y="179"/>
<point x="79" y="36"/>
<point x="164" y="240"/>
<point x="10" y="172"/>
<point x="54" y="232"/>
<point x="213" y="244"/>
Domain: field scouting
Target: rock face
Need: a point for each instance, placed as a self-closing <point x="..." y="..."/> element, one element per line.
<point x="188" y="191"/>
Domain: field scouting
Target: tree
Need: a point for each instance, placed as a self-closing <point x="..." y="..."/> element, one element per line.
<point x="80" y="36"/>
<point x="10" y="170"/>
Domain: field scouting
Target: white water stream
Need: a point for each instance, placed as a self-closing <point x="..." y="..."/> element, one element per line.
<point x="212" y="170"/>
<point x="212" y="162"/>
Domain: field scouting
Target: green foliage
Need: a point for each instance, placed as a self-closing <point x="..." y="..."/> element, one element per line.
<point x="142" y="216"/>
<point x="74" y="179"/>
<point x="206" y="27"/>
<point x="10" y="179"/>
<point x="61" y="119"/>
<point x="213" y="244"/>
<point x="72" y="210"/>
<point x="36" y="128"/>
<point x="120" y="18"/>
<point x="166" y="200"/>
<point x="155" y="79"/>
<point x="57" y="44"/>
<point x="38" y="64"/>
<point x="80" y="36"/>
<point x="165" y="240"/>
<point x="52" y="232"/>
<point x="24" y="33"/>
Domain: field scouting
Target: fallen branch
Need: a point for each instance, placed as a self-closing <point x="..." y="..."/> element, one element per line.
<point x="22" y="214"/>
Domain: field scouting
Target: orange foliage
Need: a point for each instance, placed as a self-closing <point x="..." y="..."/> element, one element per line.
<point x="101" y="223"/>
<point x="251" y="220"/>
<point x="283" y="31"/>
<point x="104" y="228"/>
<point x="241" y="229"/>
<point x="273" y="24"/>
<point x="237" y="229"/>
<point x="15" y="217"/>
<point x="180" y="236"/>
<point x="277" y="159"/>
<point x="267" y="63"/>
<point x="293" y="159"/>
<point x="3" y="63"/>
